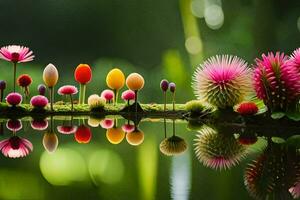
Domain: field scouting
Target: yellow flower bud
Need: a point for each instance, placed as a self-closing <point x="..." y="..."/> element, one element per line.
<point x="135" y="81"/>
<point x="115" y="79"/>
<point x="50" y="75"/>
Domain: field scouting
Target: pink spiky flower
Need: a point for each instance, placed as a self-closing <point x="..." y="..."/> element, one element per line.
<point x="222" y="81"/>
<point x="108" y="95"/>
<point x="276" y="81"/>
<point x="216" y="150"/>
<point x="15" y="147"/>
<point x="295" y="59"/>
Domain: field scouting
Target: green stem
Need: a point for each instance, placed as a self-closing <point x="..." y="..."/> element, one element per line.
<point x="165" y="127"/>
<point x="116" y="96"/>
<point x="173" y="127"/>
<point x="1" y="95"/>
<point x="135" y="100"/>
<point x="82" y="93"/>
<point x="51" y="98"/>
<point x="165" y="101"/>
<point x="174" y="101"/>
<point x="15" y="74"/>
<point x="71" y="99"/>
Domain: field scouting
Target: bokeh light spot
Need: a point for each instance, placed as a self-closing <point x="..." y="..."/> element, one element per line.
<point x="105" y="166"/>
<point x="63" y="167"/>
<point x="197" y="8"/>
<point x="214" y="16"/>
<point x="193" y="45"/>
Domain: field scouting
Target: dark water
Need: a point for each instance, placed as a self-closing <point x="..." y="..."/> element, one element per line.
<point x="80" y="159"/>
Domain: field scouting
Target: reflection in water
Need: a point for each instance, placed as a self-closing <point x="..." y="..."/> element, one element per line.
<point x="107" y="123"/>
<point x="173" y="145"/>
<point x="67" y="127"/>
<point x="50" y="141"/>
<point x="181" y="177"/>
<point x="115" y="135"/>
<point x="275" y="173"/>
<point x="39" y="124"/>
<point x="136" y="137"/>
<point x="217" y="150"/>
<point x="83" y="134"/>
<point x="15" y="146"/>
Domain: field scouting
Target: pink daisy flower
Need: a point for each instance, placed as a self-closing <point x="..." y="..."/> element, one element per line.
<point x="276" y="81"/>
<point x="15" y="147"/>
<point x="222" y="81"/>
<point x="16" y="54"/>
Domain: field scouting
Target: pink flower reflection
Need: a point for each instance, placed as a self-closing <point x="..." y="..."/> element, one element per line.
<point x="39" y="124"/>
<point x="107" y="123"/>
<point x="66" y="129"/>
<point x="15" y="147"/>
<point x="128" y="128"/>
<point x="14" y="125"/>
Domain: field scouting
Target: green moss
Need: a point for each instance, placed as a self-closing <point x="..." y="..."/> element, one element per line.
<point x="195" y="106"/>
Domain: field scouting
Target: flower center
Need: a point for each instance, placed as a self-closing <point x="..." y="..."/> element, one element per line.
<point x="15" y="57"/>
<point x="14" y="142"/>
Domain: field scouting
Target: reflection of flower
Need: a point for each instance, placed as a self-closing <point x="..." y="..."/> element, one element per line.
<point x="128" y="128"/>
<point x="216" y="150"/>
<point x="222" y="81"/>
<point x="275" y="172"/>
<point x="135" y="137"/>
<point x="173" y="146"/>
<point x="66" y="129"/>
<point x="295" y="190"/>
<point x="15" y="147"/>
<point x="115" y="135"/>
<point x="83" y="134"/>
<point x="107" y="123"/>
<point x="39" y="124"/>
<point x="14" y="125"/>
<point x="50" y="142"/>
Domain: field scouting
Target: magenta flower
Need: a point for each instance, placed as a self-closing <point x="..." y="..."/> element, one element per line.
<point x="128" y="128"/>
<point x="107" y="123"/>
<point x="108" y="95"/>
<point x="295" y="59"/>
<point x="15" y="147"/>
<point x="14" y="125"/>
<point x="276" y="81"/>
<point x="128" y="95"/>
<point x="39" y="124"/>
<point x="295" y="190"/>
<point x="14" y="99"/>
<point x="68" y="90"/>
<point x="66" y="129"/>
<point x="16" y="54"/>
<point x="39" y="101"/>
<point x="41" y="89"/>
<point x="223" y="81"/>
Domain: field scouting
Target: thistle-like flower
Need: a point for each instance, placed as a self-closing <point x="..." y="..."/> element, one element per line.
<point x="222" y="81"/>
<point x="24" y="82"/>
<point x="216" y="150"/>
<point x="276" y="81"/>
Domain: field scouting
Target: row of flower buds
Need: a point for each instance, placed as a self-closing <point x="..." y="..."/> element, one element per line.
<point x="83" y="74"/>
<point x="15" y="146"/>
<point x="165" y="86"/>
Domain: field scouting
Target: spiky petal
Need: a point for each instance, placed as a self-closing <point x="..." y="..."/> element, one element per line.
<point x="216" y="150"/>
<point x="276" y="81"/>
<point x="222" y="81"/>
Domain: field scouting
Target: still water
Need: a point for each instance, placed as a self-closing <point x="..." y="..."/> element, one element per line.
<point x="88" y="158"/>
